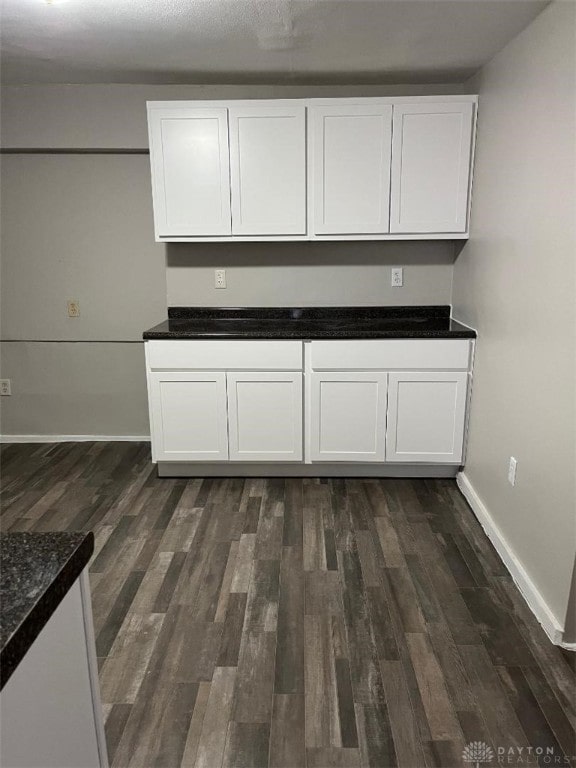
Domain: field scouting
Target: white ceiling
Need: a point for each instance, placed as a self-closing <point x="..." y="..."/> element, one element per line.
<point x="255" y="41"/>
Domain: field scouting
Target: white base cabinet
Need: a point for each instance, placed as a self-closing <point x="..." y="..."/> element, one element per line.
<point x="265" y="416"/>
<point x="188" y="414"/>
<point x="368" y="402"/>
<point x="426" y="413"/>
<point x="348" y="416"/>
<point x="51" y="710"/>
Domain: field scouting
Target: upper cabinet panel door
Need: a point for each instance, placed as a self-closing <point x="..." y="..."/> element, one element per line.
<point x="190" y="172"/>
<point x="268" y="169"/>
<point x="431" y="150"/>
<point x="426" y="413"/>
<point x="351" y="147"/>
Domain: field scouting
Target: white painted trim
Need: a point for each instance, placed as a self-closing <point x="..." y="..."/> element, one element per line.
<point x="569" y="647"/>
<point x="73" y="438"/>
<point x="314" y="238"/>
<point x="528" y="589"/>
<point x="92" y="662"/>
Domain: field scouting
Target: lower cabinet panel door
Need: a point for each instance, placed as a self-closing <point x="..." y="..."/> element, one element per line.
<point x="265" y="416"/>
<point x="426" y="413"/>
<point x="188" y="412"/>
<point x="348" y="416"/>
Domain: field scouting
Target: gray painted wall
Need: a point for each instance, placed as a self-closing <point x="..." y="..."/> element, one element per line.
<point x="309" y="274"/>
<point x="75" y="388"/>
<point x="514" y="281"/>
<point x="114" y="116"/>
<point x="79" y="226"/>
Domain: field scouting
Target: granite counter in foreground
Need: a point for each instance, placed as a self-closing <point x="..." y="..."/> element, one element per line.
<point x="36" y="572"/>
<point x="411" y="322"/>
<point x="50" y="698"/>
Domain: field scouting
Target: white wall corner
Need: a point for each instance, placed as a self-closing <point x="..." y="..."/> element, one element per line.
<point x="528" y="589"/>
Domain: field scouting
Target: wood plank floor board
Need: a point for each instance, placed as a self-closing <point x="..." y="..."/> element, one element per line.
<point x="255" y="683"/>
<point x="321" y="692"/>
<point x="294" y="622"/>
<point x="499" y="715"/>
<point x="247" y="745"/>
<point x="552" y="710"/>
<point x="125" y="666"/>
<point x="536" y="727"/>
<point x="375" y="736"/>
<point x="289" y="662"/>
<point x="287" y="738"/>
<point x="402" y="721"/>
<point x="232" y="632"/>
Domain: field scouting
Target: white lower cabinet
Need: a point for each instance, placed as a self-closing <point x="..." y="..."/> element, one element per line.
<point x="348" y="416"/>
<point x="188" y="414"/>
<point x="426" y="415"/>
<point x="265" y="416"/>
<point x="367" y="401"/>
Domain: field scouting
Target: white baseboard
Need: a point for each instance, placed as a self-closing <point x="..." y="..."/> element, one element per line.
<point x="73" y="438"/>
<point x="528" y="589"/>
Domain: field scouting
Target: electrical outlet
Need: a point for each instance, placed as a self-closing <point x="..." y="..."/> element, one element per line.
<point x="219" y="278"/>
<point x="73" y="308"/>
<point x="512" y="470"/>
<point x="5" y="387"/>
<point x="397" y="280"/>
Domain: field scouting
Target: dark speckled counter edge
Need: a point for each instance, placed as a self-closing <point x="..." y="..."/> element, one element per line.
<point x="46" y="604"/>
<point x="309" y="323"/>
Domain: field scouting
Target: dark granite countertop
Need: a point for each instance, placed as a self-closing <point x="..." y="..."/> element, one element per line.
<point x="422" y="322"/>
<point x="36" y="572"/>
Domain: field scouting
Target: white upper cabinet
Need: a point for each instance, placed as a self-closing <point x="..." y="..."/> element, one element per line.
<point x="431" y="159"/>
<point x="190" y="171"/>
<point x="268" y="169"/>
<point x="350" y="168"/>
<point x="312" y="169"/>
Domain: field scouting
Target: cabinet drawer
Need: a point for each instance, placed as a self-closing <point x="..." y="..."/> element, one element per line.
<point x="229" y="355"/>
<point x="390" y="354"/>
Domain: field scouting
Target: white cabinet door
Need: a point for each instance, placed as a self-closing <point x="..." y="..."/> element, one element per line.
<point x="431" y="167"/>
<point x="348" y="416"/>
<point x="268" y="169"/>
<point x="426" y="413"/>
<point x="190" y="171"/>
<point x="265" y="416"/>
<point x="188" y="414"/>
<point x="351" y="147"/>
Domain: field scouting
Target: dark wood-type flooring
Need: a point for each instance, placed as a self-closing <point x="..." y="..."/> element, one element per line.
<point x="295" y="622"/>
